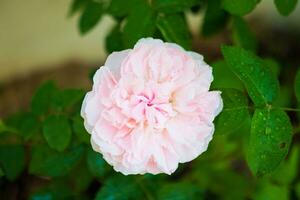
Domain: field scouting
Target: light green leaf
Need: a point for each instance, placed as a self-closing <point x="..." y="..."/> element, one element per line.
<point x="224" y="77"/>
<point x="215" y="18"/>
<point x="119" y="187"/>
<point x="287" y="171"/>
<point x="270" y="138"/>
<point x="48" y="162"/>
<point x="273" y="65"/>
<point x="285" y="7"/>
<point x="12" y="160"/>
<point x="235" y="111"/>
<point x="96" y="164"/>
<point x="140" y="23"/>
<point x="43" y="98"/>
<point x="297" y="85"/>
<point x="174" y="29"/>
<point x="57" y="132"/>
<point x="90" y="16"/>
<point x="238" y="7"/>
<point x="268" y="191"/>
<point x="242" y="34"/>
<point x="174" y="6"/>
<point x="260" y="82"/>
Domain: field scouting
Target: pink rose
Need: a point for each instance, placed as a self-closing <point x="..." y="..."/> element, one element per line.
<point x="150" y="108"/>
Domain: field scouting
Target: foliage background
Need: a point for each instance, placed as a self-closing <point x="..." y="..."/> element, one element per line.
<point x="254" y="154"/>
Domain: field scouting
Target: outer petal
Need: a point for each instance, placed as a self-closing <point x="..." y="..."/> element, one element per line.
<point x="114" y="61"/>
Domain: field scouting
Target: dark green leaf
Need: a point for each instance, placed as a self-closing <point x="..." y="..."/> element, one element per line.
<point x="29" y="126"/>
<point x="234" y="113"/>
<point x="12" y="160"/>
<point x="119" y="187"/>
<point x="77" y="5"/>
<point x="54" y="191"/>
<point x="174" y="6"/>
<point x="260" y="82"/>
<point x="48" y="162"/>
<point x="285" y="7"/>
<point x="114" y="41"/>
<point x="215" y="19"/>
<point x="270" y="138"/>
<point x="238" y="7"/>
<point x="57" y="132"/>
<point x="180" y="191"/>
<point x="96" y="164"/>
<point x="140" y="23"/>
<point x="68" y="97"/>
<point x="83" y="178"/>
<point x="120" y="8"/>
<point x="43" y="98"/>
<point x="79" y="130"/>
<point x="224" y="77"/>
<point x="174" y="29"/>
<point x="242" y="34"/>
<point x="297" y="85"/>
<point x="1" y="172"/>
<point x="90" y="17"/>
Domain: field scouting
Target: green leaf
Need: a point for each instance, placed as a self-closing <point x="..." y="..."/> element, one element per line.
<point x="180" y="191"/>
<point x="297" y="85"/>
<point x="48" y="162"/>
<point x="234" y="113"/>
<point x="68" y="97"/>
<point x="57" y="132"/>
<point x="83" y="178"/>
<point x="90" y="16"/>
<point x="79" y="129"/>
<point x="285" y="7"/>
<point x="260" y="82"/>
<point x="269" y="191"/>
<point x="76" y="6"/>
<point x="270" y="138"/>
<point x="287" y="171"/>
<point x="113" y="41"/>
<point x="238" y="7"/>
<point x="119" y="187"/>
<point x="242" y="35"/>
<point x="174" y="29"/>
<point x="224" y="77"/>
<point x="174" y="6"/>
<point x="54" y="191"/>
<point x="29" y="126"/>
<point x="96" y="164"/>
<point x="1" y="172"/>
<point x="140" y="23"/>
<point x="120" y="8"/>
<point x="273" y="65"/>
<point x="215" y="19"/>
<point x="43" y="98"/>
<point x="12" y="160"/>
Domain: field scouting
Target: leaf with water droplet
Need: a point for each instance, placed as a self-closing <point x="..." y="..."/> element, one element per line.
<point x="261" y="84"/>
<point x="270" y="138"/>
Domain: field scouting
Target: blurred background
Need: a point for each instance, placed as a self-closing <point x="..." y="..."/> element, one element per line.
<point x="39" y="41"/>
